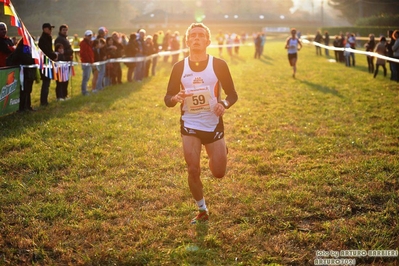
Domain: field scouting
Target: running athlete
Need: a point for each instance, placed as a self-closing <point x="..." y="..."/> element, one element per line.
<point x="293" y="45"/>
<point x="196" y="84"/>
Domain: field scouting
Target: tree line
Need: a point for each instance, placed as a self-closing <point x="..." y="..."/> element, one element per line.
<point x="122" y="13"/>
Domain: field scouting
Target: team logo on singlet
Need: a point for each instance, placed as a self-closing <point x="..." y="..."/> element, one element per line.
<point x="198" y="80"/>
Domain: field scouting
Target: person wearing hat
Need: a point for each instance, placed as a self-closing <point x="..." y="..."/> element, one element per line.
<point x="46" y="45"/>
<point x="102" y="33"/>
<point x="86" y="58"/>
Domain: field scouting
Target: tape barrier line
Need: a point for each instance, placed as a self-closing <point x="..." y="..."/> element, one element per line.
<point x="128" y="59"/>
<point x="169" y="53"/>
<point x="351" y="51"/>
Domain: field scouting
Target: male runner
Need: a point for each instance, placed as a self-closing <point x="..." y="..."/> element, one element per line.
<point x="196" y="83"/>
<point x="293" y="45"/>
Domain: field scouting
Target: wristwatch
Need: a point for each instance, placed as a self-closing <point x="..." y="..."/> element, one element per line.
<point x="224" y="103"/>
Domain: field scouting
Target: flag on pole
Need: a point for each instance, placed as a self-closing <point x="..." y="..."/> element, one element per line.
<point x="37" y="55"/>
<point x="22" y="31"/>
<point x="9" y="10"/>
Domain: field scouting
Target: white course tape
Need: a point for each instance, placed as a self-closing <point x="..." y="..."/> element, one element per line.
<point x="351" y="51"/>
<point x="133" y="59"/>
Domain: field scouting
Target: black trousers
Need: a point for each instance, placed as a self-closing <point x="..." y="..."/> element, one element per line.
<point x="25" y="95"/>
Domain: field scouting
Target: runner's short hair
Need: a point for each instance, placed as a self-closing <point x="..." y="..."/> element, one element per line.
<point x="198" y="25"/>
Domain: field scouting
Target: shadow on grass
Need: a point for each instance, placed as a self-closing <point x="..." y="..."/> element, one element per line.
<point x="267" y="62"/>
<point x="358" y="68"/>
<point x="236" y="57"/>
<point x="200" y="238"/>
<point x="267" y="57"/>
<point x="198" y="251"/>
<point x="361" y="68"/>
<point x="202" y="231"/>
<point x="321" y="88"/>
<point x="17" y="123"/>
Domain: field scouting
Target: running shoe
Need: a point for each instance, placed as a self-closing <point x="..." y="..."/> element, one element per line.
<point x="202" y="217"/>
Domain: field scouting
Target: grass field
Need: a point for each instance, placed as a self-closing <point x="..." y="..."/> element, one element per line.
<point x="101" y="180"/>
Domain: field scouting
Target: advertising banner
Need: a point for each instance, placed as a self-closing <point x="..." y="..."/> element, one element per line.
<point x="9" y="90"/>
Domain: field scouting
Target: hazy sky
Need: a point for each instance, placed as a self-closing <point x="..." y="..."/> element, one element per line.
<point x="314" y="7"/>
<point x="298" y="5"/>
<point x="309" y="5"/>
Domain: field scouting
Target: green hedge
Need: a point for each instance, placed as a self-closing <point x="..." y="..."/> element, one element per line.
<point x="362" y="31"/>
<point x="380" y="20"/>
<point x="378" y="25"/>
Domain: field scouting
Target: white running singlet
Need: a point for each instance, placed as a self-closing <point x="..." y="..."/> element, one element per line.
<point x="198" y="109"/>
<point x="292" y="46"/>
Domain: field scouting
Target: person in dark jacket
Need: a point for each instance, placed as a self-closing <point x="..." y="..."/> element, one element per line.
<point x="341" y="44"/>
<point x="63" y="39"/>
<point x="149" y="50"/>
<point x="67" y="56"/>
<point x="110" y="52"/>
<point x="326" y="42"/>
<point x="116" y="66"/>
<point x="318" y="39"/>
<point x="100" y="55"/>
<point x="46" y="45"/>
<point x="23" y="56"/>
<point x="156" y="50"/>
<point x="6" y="44"/>
<point x="139" y="70"/>
<point x="175" y="46"/>
<point x="258" y="42"/>
<point x="392" y="65"/>
<point x="336" y="43"/>
<point x="61" y="89"/>
<point x="370" y="45"/>
<point x="131" y="50"/>
<point x="395" y="50"/>
<point x="381" y="49"/>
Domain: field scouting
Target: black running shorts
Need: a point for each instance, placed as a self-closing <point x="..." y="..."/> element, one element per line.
<point x="204" y="136"/>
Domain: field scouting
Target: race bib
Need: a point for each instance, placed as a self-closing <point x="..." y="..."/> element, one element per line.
<point x="200" y="101"/>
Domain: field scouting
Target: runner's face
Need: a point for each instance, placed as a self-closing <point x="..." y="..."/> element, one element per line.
<point x="198" y="39"/>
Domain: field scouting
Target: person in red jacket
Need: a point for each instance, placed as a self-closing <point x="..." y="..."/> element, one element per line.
<point x="6" y="44"/>
<point x="87" y="59"/>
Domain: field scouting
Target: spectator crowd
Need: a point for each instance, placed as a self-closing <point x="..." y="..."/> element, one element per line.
<point x="101" y="54"/>
<point x="381" y="46"/>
